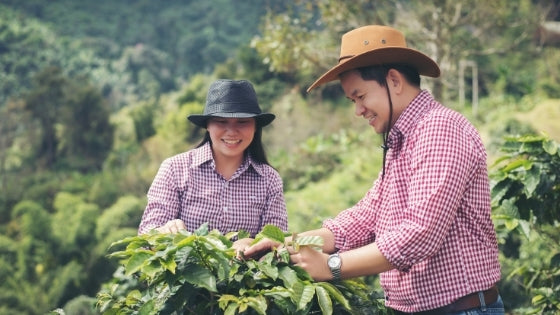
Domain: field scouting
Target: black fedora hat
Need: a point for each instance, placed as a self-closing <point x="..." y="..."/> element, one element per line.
<point x="232" y="99"/>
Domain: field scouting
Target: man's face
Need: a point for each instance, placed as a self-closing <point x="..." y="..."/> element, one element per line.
<point x="370" y="99"/>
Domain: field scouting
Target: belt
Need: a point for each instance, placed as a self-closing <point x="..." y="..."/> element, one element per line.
<point x="464" y="303"/>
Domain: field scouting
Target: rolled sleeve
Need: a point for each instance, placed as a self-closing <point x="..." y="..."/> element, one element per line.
<point x="354" y="227"/>
<point x="275" y="212"/>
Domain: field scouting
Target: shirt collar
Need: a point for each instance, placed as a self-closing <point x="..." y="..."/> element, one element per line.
<point x="203" y="155"/>
<point x="409" y="118"/>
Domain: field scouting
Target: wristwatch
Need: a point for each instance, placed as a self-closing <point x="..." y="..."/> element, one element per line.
<point x="334" y="262"/>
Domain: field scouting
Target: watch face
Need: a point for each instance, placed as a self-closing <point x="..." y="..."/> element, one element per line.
<point x="334" y="261"/>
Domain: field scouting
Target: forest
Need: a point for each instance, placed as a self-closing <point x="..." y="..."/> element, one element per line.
<point x="94" y="95"/>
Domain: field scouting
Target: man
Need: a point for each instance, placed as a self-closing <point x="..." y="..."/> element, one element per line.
<point x="425" y="224"/>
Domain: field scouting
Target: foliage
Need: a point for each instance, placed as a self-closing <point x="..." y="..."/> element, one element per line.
<point x="49" y="257"/>
<point x="525" y="196"/>
<point x="132" y="50"/>
<point x="125" y="212"/>
<point x="198" y="272"/>
<point x="305" y="39"/>
<point x="74" y="122"/>
<point x="527" y="184"/>
<point x="143" y="117"/>
<point x="133" y="55"/>
<point x="26" y="47"/>
<point x="82" y="305"/>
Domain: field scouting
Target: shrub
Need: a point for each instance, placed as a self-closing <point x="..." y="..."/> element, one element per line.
<point x="198" y="273"/>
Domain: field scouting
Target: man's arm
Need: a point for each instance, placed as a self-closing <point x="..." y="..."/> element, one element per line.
<point x="363" y="261"/>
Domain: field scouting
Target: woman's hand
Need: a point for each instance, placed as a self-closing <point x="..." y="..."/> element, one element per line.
<point x="240" y="246"/>
<point x="259" y="249"/>
<point x="172" y="226"/>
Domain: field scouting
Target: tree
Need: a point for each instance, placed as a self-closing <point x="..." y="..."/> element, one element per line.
<point x="308" y="37"/>
<point x="45" y="104"/>
<point x="87" y="134"/>
<point x="11" y="116"/>
<point x="74" y="121"/>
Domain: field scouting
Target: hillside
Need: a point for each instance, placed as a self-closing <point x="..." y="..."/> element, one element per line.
<point x="94" y="95"/>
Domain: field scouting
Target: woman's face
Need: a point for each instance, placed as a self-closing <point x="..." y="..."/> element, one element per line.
<point x="231" y="136"/>
<point x="370" y="99"/>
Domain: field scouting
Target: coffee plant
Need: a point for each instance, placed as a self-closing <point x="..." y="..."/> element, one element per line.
<point x="198" y="273"/>
<point x="526" y="203"/>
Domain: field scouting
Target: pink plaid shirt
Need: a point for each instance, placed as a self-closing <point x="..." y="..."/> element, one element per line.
<point x="187" y="187"/>
<point x="430" y="214"/>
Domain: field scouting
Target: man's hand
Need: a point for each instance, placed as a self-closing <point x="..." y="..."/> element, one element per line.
<point x="313" y="261"/>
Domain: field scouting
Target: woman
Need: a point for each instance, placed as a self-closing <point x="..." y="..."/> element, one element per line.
<point x="226" y="180"/>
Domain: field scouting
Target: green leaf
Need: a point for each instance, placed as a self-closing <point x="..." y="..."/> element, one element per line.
<point x="152" y="268"/>
<point x="511" y="224"/>
<point x="303" y="294"/>
<point x="520" y="163"/>
<point x="499" y="190"/>
<point x="550" y="147"/>
<point x="555" y="261"/>
<point x="187" y="241"/>
<point x="202" y="230"/>
<point x="335" y="293"/>
<point x="133" y="298"/>
<point x="288" y="275"/>
<point x="272" y="232"/>
<point x="509" y="208"/>
<point x="231" y="309"/>
<point x="169" y="264"/>
<point x="148" y="308"/>
<point x="525" y="228"/>
<point x="136" y="261"/>
<point x="222" y="263"/>
<point x="126" y="240"/>
<point x="314" y="241"/>
<point x="243" y="234"/>
<point x="532" y="179"/>
<point x="228" y="303"/>
<point x="324" y="299"/>
<point x="269" y="269"/>
<point x="538" y="299"/>
<point x="258" y="303"/>
<point x="200" y="276"/>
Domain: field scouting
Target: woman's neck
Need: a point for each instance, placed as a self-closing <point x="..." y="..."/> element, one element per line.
<point x="227" y="166"/>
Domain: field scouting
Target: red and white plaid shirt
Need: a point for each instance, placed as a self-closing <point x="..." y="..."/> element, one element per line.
<point x="430" y="214"/>
<point x="187" y="187"/>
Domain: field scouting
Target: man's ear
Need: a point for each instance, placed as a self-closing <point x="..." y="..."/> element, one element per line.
<point x="395" y="80"/>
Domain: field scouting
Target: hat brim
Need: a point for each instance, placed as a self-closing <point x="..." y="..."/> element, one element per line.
<point x="261" y="119"/>
<point x="381" y="56"/>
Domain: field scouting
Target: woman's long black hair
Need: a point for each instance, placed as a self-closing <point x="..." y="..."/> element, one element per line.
<point x="255" y="149"/>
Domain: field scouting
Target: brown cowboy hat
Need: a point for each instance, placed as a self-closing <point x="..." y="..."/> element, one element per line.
<point x="376" y="45"/>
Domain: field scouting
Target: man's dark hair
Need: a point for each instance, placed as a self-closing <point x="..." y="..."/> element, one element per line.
<point x="379" y="73"/>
